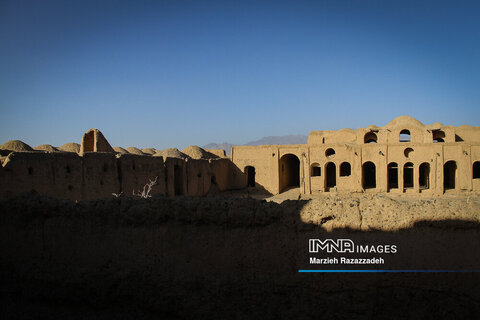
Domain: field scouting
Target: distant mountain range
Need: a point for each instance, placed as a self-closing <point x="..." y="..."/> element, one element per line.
<point x="290" y="139"/>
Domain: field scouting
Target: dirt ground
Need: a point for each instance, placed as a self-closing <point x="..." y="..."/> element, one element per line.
<point x="235" y="255"/>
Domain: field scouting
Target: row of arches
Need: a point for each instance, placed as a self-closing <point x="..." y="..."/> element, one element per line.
<point x="404" y="136"/>
<point x="408" y="176"/>
<point x="289" y="175"/>
<point x="369" y="174"/>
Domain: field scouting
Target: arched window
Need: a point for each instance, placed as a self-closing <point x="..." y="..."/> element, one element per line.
<point x="476" y="170"/>
<point x="331" y="176"/>
<point x="438" y="136"/>
<point x="289" y="172"/>
<point x="449" y="175"/>
<point x="370" y="137"/>
<point x="392" y="175"/>
<point x="408" y="175"/>
<point x="405" y="136"/>
<point x="329" y="153"/>
<point x="424" y="176"/>
<point x="315" y="170"/>
<point x="369" y="175"/>
<point x="408" y="152"/>
<point x="345" y="169"/>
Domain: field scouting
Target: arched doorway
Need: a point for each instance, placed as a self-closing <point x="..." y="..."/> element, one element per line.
<point x="369" y="175"/>
<point x="250" y="172"/>
<point x="331" y="176"/>
<point x="408" y="175"/>
<point x="392" y="176"/>
<point x="449" y="175"/>
<point x="424" y="176"/>
<point x="289" y="167"/>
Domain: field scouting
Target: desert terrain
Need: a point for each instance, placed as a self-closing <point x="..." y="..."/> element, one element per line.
<point x="235" y="254"/>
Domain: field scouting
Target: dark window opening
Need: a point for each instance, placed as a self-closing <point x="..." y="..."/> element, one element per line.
<point x="199" y="175"/>
<point x="67" y="168"/>
<point x="250" y="171"/>
<point x="392" y="176"/>
<point x="370" y="137"/>
<point x="476" y="170"/>
<point x="329" y="152"/>
<point x="424" y="176"/>
<point x="331" y="176"/>
<point x="70" y="188"/>
<point x="449" y="175"/>
<point x="177" y="180"/>
<point x="289" y="172"/>
<point x="408" y="175"/>
<point x="105" y="167"/>
<point x="405" y="136"/>
<point x="345" y="169"/>
<point x="408" y="152"/>
<point x="30" y="171"/>
<point x="316" y="170"/>
<point x="438" y="136"/>
<point x="369" y="175"/>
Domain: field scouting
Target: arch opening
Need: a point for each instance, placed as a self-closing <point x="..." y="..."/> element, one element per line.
<point x="438" y="136"/>
<point x="289" y="172"/>
<point x="476" y="170"/>
<point x="329" y="153"/>
<point x="250" y="172"/>
<point x="424" y="176"/>
<point x="408" y="152"/>
<point x="315" y="170"/>
<point x="449" y="175"/>
<point x="370" y="137"/>
<point x="392" y="176"/>
<point x="408" y="175"/>
<point x="331" y="176"/>
<point x="369" y="175"/>
<point x="405" y="136"/>
<point x="345" y="169"/>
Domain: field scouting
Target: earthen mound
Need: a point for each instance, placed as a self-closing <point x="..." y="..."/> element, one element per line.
<point x="196" y="152"/>
<point x="150" y="151"/>
<point x="171" y="153"/>
<point x="120" y="150"/>
<point x="16" y="145"/>
<point x="70" y="147"/>
<point x="46" y="147"/>
<point x="136" y="151"/>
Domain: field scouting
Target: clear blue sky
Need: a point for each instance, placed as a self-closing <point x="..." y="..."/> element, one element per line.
<point x="174" y="73"/>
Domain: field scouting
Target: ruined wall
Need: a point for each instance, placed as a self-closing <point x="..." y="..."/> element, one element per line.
<point x="94" y="141"/>
<point x="265" y="161"/>
<point x="98" y="175"/>
<point x="218" y="152"/>
<point x="53" y="174"/>
<point x="134" y="172"/>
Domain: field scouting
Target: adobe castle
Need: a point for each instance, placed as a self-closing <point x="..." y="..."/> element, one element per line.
<point x="405" y="156"/>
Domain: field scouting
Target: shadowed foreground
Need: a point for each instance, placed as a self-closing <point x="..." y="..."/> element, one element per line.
<point x="215" y="258"/>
